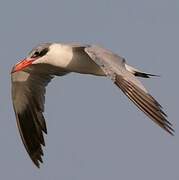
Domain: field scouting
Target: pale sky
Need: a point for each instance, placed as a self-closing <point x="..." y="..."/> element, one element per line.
<point x="94" y="131"/>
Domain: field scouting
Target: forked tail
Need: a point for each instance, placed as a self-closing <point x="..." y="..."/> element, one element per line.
<point x="139" y="73"/>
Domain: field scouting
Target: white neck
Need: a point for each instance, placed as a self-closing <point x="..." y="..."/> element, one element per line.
<point x="59" y="55"/>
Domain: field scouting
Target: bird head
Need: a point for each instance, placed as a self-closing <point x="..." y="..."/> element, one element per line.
<point x="34" y="57"/>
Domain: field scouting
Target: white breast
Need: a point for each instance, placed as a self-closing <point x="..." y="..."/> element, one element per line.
<point x="59" y="55"/>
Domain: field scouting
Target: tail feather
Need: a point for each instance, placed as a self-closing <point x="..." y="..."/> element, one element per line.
<point x="139" y="73"/>
<point x="144" y="75"/>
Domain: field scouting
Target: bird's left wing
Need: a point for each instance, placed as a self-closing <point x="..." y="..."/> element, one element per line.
<point x="114" y="67"/>
<point x="28" y="96"/>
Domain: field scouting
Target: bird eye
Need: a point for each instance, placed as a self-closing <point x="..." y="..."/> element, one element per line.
<point x="39" y="53"/>
<point x="36" y="53"/>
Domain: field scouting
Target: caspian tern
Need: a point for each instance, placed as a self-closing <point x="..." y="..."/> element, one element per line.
<point x="31" y="76"/>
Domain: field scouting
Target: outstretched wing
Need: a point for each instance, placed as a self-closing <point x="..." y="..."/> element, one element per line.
<point x="114" y="67"/>
<point x="28" y="96"/>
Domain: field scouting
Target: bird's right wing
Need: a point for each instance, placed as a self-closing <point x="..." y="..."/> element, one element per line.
<point x="114" y="67"/>
<point x="28" y="96"/>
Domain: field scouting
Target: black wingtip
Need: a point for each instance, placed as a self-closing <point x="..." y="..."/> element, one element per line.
<point x="169" y="129"/>
<point x="36" y="163"/>
<point x="37" y="159"/>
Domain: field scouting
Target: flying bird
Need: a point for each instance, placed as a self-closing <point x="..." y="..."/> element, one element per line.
<point x="31" y="75"/>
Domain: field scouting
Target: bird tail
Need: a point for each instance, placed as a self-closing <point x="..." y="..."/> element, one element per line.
<point x="139" y="73"/>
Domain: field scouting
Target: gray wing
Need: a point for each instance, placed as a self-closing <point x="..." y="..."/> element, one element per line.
<point x="114" y="67"/>
<point x="28" y="96"/>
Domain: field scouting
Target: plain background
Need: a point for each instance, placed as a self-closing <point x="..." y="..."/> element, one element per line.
<point x="94" y="132"/>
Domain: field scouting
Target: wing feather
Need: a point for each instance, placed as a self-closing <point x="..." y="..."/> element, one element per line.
<point x="114" y="67"/>
<point x="145" y="102"/>
<point x="28" y="95"/>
